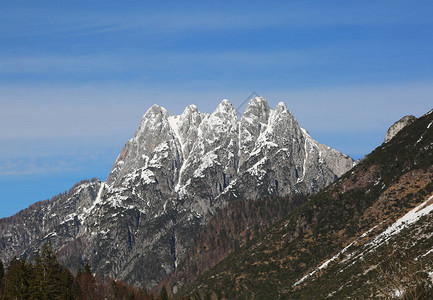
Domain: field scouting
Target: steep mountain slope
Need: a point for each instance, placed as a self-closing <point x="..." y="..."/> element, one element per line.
<point x="24" y="232"/>
<point x="229" y="229"/>
<point x="335" y="244"/>
<point x="177" y="171"/>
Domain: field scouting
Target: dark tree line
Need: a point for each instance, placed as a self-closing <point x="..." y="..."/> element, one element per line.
<point x="46" y="278"/>
<point x="229" y="229"/>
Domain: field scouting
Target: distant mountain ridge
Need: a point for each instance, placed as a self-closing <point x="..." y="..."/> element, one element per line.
<point x="169" y="178"/>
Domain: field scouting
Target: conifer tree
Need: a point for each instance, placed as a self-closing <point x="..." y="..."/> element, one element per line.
<point x="143" y="292"/>
<point x="87" y="269"/>
<point x="115" y="291"/>
<point x="163" y="295"/>
<point x="46" y="275"/>
<point x="19" y="274"/>
<point x="87" y="283"/>
<point x="2" y="278"/>
<point x="68" y="285"/>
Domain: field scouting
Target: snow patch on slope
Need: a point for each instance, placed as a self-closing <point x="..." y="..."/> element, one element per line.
<point x="207" y="161"/>
<point x="408" y="219"/>
<point x="147" y="176"/>
<point x="174" y="124"/>
<point x="326" y="263"/>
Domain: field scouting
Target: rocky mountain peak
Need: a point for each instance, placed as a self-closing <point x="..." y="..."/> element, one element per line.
<point x="185" y="128"/>
<point x="281" y="106"/>
<point x="217" y="125"/>
<point x="257" y="101"/>
<point x="283" y="124"/>
<point x="155" y="112"/>
<point x="282" y="110"/>
<point x="397" y="126"/>
<point x="258" y="108"/>
<point x="190" y="109"/>
<point x="253" y="122"/>
<point x="153" y="122"/>
<point x="226" y="112"/>
<point x="153" y="135"/>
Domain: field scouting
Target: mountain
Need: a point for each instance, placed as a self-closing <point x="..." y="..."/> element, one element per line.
<point x="226" y="231"/>
<point x="169" y="179"/>
<point x="61" y="216"/>
<point x="366" y="236"/>
<point x="397" y="126"/>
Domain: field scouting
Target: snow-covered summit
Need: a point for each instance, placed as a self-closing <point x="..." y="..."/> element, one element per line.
<point x="202" y="154"/>
<point x="177" y="170"/>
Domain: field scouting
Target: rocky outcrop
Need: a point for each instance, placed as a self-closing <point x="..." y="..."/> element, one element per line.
<point x="177" y="170"/>
<point x="58" y="220"/>
<point x="397" y="126"/>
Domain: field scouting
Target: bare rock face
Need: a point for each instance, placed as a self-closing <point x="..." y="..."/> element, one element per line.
<point x="172" y="176"/>
<point x="280" y="157"/>
<point x="58" y="220"/>
<point x="397" y="126"/>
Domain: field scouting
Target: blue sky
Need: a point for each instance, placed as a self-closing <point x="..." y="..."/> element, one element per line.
<point x="76" y="76"/>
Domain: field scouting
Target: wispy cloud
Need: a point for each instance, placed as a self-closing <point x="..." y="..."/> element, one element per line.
<point x="32" y="166"/>
<point x="366" y="108"/>
<point x="101" y="111"/>
<point x="138" y="62"/>
<point x="56" y="64"/>
<point x="23" y="156"/>
<point x="33" y="20"/>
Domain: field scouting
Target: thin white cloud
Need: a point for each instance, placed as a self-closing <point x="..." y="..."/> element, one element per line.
<point x="25" y="166"/>
<point x="33" y="21"/>
<point x="100" y="110"/>
<point x="39" y="64"/>
<point x="34" y="121"/>
<point x="55" y="64"/>
<point x="358" y="108"/>
<point x="150" y="65"/>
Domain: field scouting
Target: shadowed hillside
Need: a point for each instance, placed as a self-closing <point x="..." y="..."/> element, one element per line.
<point x="298" y="257"/>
